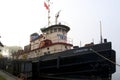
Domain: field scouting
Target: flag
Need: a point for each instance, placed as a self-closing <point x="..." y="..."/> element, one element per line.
<point x="46" y="6"/>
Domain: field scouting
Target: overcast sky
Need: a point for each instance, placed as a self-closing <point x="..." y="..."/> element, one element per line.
<point x="20" y="18"/>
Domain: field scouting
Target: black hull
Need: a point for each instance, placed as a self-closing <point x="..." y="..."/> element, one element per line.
<point x="81" y="63"/>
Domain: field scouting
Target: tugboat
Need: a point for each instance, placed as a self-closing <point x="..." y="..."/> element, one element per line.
<point x="52" y="56"/>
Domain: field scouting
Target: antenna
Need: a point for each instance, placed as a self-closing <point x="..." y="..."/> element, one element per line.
<point x="56" y="16"/>
<point x="101" y="33"/>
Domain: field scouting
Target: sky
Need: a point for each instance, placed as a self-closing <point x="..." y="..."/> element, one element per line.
<point x="20" y="18"/>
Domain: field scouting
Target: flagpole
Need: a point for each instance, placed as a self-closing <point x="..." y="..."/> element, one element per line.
<point x="48" y="12"/>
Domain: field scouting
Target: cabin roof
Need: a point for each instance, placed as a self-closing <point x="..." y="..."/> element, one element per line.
<point x="57" y="25"/>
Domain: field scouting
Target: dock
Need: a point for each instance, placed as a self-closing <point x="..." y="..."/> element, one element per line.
<point x="7" y="76"/>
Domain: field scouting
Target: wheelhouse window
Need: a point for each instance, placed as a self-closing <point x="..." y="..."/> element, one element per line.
<point x="55" y="29"/>
<point x="59" y="29"/>
<point x="63" y="30"/>
<point x="51" y="30"/>
<point x="47" y="32"/>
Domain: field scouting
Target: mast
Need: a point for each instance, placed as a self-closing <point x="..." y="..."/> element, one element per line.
<point x="48" y="12"/>
<point x="101" y="33"/>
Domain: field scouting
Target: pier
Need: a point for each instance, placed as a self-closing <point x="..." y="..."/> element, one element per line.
<point x="7" y="76"/>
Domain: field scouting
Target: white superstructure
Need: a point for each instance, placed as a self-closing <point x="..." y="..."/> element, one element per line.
<point x="52" y="40"/>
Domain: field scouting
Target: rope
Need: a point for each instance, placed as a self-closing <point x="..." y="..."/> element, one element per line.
<point x="104" y="57"/>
